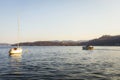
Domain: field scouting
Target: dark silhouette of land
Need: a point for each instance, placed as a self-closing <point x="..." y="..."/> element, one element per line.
<point x="4" y="44"/>
<point x="105" y="40"/>
<point x="51" y="43"/>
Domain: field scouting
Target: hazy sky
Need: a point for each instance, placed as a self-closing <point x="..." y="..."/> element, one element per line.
<point x="58" y="19"/>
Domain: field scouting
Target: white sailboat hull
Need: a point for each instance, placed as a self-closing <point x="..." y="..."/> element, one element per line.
<point x="15" y="52"/>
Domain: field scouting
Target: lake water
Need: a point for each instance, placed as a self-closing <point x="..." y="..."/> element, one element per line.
<point x="61" y="63"/>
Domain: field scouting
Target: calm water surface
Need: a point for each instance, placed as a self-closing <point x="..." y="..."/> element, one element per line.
<point x="61" y="63"/>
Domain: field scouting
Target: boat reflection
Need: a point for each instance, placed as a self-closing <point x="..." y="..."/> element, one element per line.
<point x="15" y="65"/>
<point x="15" y="58"/>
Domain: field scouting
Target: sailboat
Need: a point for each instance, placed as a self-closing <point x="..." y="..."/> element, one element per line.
<point x="16" y="51"/>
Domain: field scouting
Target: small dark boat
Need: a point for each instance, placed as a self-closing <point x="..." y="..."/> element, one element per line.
<point x="88" y="47"/>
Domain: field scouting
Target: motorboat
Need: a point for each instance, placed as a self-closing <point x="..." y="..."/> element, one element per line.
<point x="88" y="47"/>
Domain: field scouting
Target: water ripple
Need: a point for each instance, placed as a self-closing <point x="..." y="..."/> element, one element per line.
<point x="61" y="63"/>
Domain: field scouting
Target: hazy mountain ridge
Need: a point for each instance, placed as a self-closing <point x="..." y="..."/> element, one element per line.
<point x="51" y="43"/>
<point x="4" y="44"/>
<point x="105" y="40"/>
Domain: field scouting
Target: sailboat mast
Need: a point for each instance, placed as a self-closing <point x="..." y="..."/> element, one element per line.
<point x="18" y="32"/>
<point x="17" y="51"/>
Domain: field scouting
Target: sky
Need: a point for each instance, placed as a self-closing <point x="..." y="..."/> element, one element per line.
<point x="58" y="19"/>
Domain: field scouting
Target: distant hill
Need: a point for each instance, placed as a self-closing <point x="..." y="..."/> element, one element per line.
<point x="4" y="44"/>
<point x="50" y="43"/>
<point x="105" y="40"/>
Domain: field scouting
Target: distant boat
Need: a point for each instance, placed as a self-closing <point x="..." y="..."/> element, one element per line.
<point x="16" y="51"/>
<point x="88" y="47"/>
